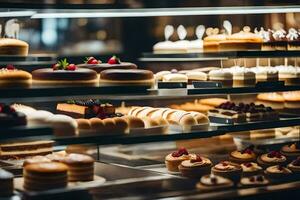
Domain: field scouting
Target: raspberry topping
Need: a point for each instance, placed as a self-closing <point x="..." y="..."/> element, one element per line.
<point x="224" y="164"/>
<point x="248" y="151"/>
<point x="196" y="159"/>
<point x="274" y="154"/>
<point x="181" y="151"/>
<point x="114" y="60"/>
<point x="280" y="167"/>
<point x="248" y="164"/>
<point x="260" y="178"/>
<point x="92" y="61"/>
<point x="213" y="180"/>
<point x="10" y="67"/>
<point x="296" y="162"/>
<point x="252" y="179"/>
<point x="71" y="67"/>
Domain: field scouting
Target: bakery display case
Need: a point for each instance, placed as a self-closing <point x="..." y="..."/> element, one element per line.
<point x="136" y="100"/>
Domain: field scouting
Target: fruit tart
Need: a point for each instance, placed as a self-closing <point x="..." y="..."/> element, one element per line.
<point x="270" y="159"/>
<point x="291" y="151"/>
<point x="278" y="173"/>
<point x="228" y="170"/>
<point x="251" y="169"/>
<point x="245" y="155"/>
<point x="196" y="167"/>
<point x="254" y="181"/>
<point x="173" y="160"/>
<point x="294" y="166"/>
<point x="212" y="182"/>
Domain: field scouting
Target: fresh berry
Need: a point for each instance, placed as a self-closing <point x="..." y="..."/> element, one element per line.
<point x="247" y="151"/>
<point x="55" y="66"/>
<point x="260" y="178"/>
<point x="252" y="179"/>
<point x="224" y="164"/>
<point x="183" y="151"/>
<point x="10" y="67"/>
<point x="95" y="109"/>
<point x="114" y="60"/>
<point x="94" y="62"/>
<point x="248" y="164"/>
<point x="196" y="159"/>
<point x="214" y="180"/>
<point x="71" y="67"/>
<point x="272" y="154"/>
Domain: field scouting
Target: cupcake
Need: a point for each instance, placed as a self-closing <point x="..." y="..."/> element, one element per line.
<point x="294" y="166"/>
<point x="254" y="181"/>
<point x="270" y="159"/>
<point x="173" y="160"/>
<point x="212" y="182"/>
<point x="246" y="155"/>
<point x="228" y="170"/>
<point x="196" y="167"/>
<point x="291" y="151"/>
<point x="251" y="169"/>
<point x="278" y="172"/>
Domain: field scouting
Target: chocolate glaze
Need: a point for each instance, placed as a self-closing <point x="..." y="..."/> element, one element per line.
<point x="15" y="119"/>
<point x="103" y="66"/>
<point x="125" y="75"/>
<point x="65" y="75"/>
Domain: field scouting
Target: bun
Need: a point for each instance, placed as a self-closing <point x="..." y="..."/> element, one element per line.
<point x="134" y="122"/>
<point x="83" y="124"/>
<point x="121" y="125"/>
<point x="97" y="124"/>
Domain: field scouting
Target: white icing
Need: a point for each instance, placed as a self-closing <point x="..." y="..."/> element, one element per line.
<point x="254" y="167"/>
<point x="221" y="74"/>
<point x="279" y="34"/>
<point x="228" y="27"/>
<point x="196" y="75"/>
<point x="174" y="78"/>
<point x="200" y="31"/>
<point x="264" y="35"/>
<point x="181" y="31"/>
<point x="293" y="34"/>
<point x="206" y="180"/>
<point x="275" y="169"/>
<point x="169" y="30"/>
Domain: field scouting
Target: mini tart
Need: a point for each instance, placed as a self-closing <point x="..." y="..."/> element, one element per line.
<point x="277" y="172"/>
<point x="196" y="167"/>
<point x="251" y="169"/>
<point x="228" y="170"/>
<point x="104" y="66"/>
<point x="270" y="159"/>
<point x="254" y="181"/>
<point x="173" y="160"/>
<point x="295" y="167"/>
<point x="291" y="151"/>
<point x="212" y="182"/>
<point x="246" y="155"/>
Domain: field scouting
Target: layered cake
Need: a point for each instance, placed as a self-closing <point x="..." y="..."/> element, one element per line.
<point x="115" y="77"/>
<point x="263" y="74"/>
<point x="10" y="46"/>
<point x="64" y="73"/>
<point x="36" y="159"/>
<point x="173" y="160"/>
<point x="254" y="181"/>
<point x="11" y="77"/>
<point x="212" y="182"/>
<point x="278" y="173"/>
<point x="9" y="117"/>
<point x="291" y="151"/>
<point x="45" y="176"/>
<point x="212" y="41"/>
<point x="80" y="167"/>
<point x="113" y="63"/>
<point x="195" y="167"/>
<point x="228" y="170"/>
<point x="251" y="169"/>
<point x="16" y="150"/>
<point x="221" y="75"/>
<point x="242" y="76"/>
<point x="293" y="40"/>
<point x="278" y="40"/>
<point x="289" y="74"/>
<point x="6" y="183"/>
<point x="246" y="155"/>
<point x="270" y="159"/>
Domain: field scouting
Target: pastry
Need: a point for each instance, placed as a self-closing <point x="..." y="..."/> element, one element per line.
<point x="113" y="63"/>
<point x="182" y="45"/>
<point x="173" y="160"/>
<point x="293" y="40"/>
<point x="212" y="182"/>
<point x="291" y="99"/>
<point x="195" y="167"/>
<point x="291" y="151"/>
<point x="287" y="132"/>
<point x="21" y="149"/>
<point x="278" y="173"/>
<point x="242" y="41"/>
<point x="64" y="73"/>
<point x="159" y="75"/>
<point x="84" y="124"/>
<point x="80" y="167"/>
<point x="9" y="117"/>
<point x="254" y="181"/>
<point x="38" y="117"/>
<point x="246" y="155"/>
<point x="289" y="74"/>
<point x="263" y="74"/>
<point x="6" y="183"/>
<point x="242" y="76"/>
<point x="266" y="40"/>
<point x="228" y="170"/>
<point x="134" y="122"/>
<point x="10" y="46"/>
<point x="196" y="76"/>
<point x="126" y="77"/>
<point x="272" y="99"/>
<point x="23" y="108"/>
<point x="36" y="159"/>
<point x="221" y="75"/>
<point x="278" y="40"/>
<point x="213" y="101"/>
<point x="270" y="159"/>
<point x="251" y="169"/>
<point x="45" y="176"/>
<point x="196" y="46"/>
<point x="294" y="166"/>
<point x="165" y="47"/>
<point x="173" y="77"/>
<point x="212" y="40"/>
<point x="195" y="106"/>
<point x="12" y="77"/>
<point x="62" y="125"/>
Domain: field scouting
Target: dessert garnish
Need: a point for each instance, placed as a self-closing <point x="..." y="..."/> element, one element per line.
<point x="114" y="60"/>
<point x="213" y="180"/>
<point x="64" y="65"/>
<point x="296" y="162"/>
<point x="295" y="146"/>
<point x="274" y="154"/>
<point x="174" y="71"/>
<point x="280" y="167"/>
<point x="92" y="61"/>
<point x="10" y="67"/>
<point x="252" y="179"/>
<point x="224" y="164"/>
<point x="181" y="151"/>
<point x="260" y="178"/>
<point x="196" y="159"/>
<point x="248" y="164"/>
<point x="248" y="150"/>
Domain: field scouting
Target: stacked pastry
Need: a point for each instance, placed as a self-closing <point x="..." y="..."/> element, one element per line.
<point x="280" y="100"/>
<point x="185" y="76"/>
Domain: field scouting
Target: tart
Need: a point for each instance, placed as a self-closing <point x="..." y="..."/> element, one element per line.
<point x="64" y="73"/>
<point x="291" y="151"/>
<point x="254" y="181"/>
<point x="294" y="166"/>
<point x="228" y="170"/>
<point x="12" y="77"/>
<point x="270" y="159"/>
<point x="10" y="46"/>
<point x="196" y="167"/>
<point x="113" y="63"/>
<point x="212" y="182"/>
<point x="251" y="169"/>
<point x="246" y="155"/>
<point x="173" y="160"/>
<point x="278" y="173"/>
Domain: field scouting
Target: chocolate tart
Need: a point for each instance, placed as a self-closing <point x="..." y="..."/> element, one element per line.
<point x="270" y="159"/>
<point x="213" y="182"/>
<point x="246" y="155"/>
<point x="251" y="169"/>
<point x="196" y="167"/>
<point x="228" y="170"/>
<point x="173" y="160"/>
<point x="291" y="151"/>
<point x="254" y="181"/>
<point x="278" y="173"/>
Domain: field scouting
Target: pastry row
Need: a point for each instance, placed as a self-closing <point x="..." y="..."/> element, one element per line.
<point x="280" y="100"/>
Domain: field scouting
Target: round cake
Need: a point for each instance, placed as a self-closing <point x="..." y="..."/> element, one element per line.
<point x="127" y="77"/>
<point x="6" y="183"/>
<point x="10" y="46"/>
<point x="113" y="63"/>
<point x="11" y="77"/>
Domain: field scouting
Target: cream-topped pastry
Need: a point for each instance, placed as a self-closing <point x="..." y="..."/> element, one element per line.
<point x="228" y="169"/>
<point x="272" y="158"/>
<point x="194" y="162"/>
<point x="196" y="76"/>
<point x="294" y="166"/>
<point x="195" y="167"/>
<point x="173" y="77"/>
<point x="291" y="151"/>
<point x="254" y="181"/>
<point x="196" y="46"/>
<point x="277" y="169"/>
<point x="250" y="167"/>
<point x="159" y="75"/>
<point x="265" y="73"/>
<point x="213" y="182"/>
<point x="289" y="74"/>
<point x="242" y="76"/>
<point x="173" y="160"/>
<point x="246" y="155"/>
<point x="223" y="75"/>
<point x="225" y="166"/>
<point x="293" y="39"/>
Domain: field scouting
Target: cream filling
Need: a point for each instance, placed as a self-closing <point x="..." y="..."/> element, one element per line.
<point x="238" y="154"/>
<point x="169" y="157"/>
<point x="229" y="167"/>
<point x="265" y="158"/>
<point x="254" y="167"/>
<point x="206" y="180"/>
<point x="22" y="152"/>
<point x="246" y="181"/>
<point x="189" y="163"/>
<point x="275" y="170"/>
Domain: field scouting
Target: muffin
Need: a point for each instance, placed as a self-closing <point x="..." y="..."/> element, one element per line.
<point x="244" y="156"/>
<point x="254" y="181"/>
<point x="173" y="160"/>
<point x="291" y="151"/>
<point x="212" y="182"/>
<point x="278" y="173"/>
<point x="228" y="170"/>
<point x="251" y="169"/>
<point x="270" y="159"/>
<point x="196" y="167"/>
<point x="294" y="166"/>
